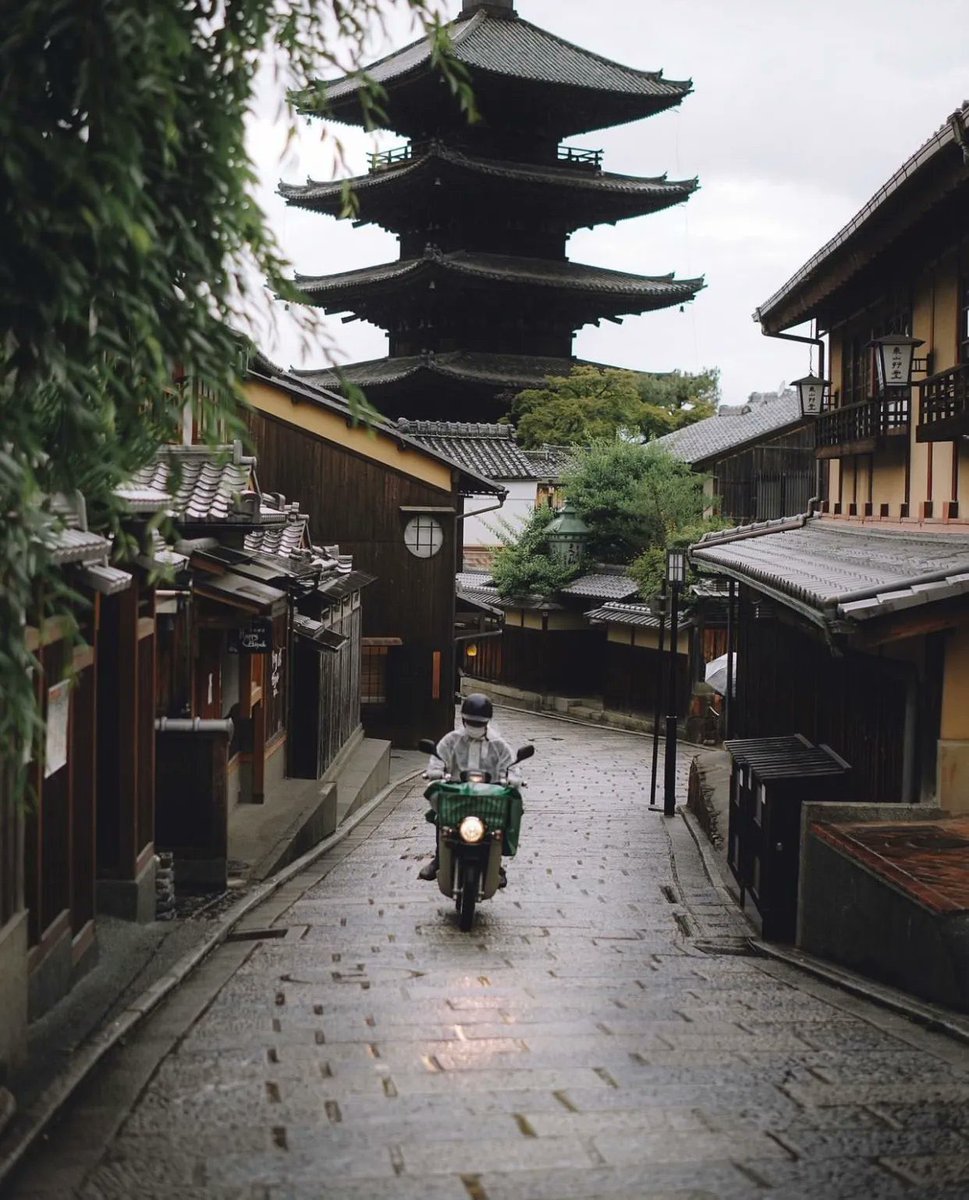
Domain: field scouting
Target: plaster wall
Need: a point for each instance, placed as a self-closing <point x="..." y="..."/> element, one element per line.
<point x="527" y="619"/>
<point x="647" y="639"/>
<point x="480" y="531"/>
<point x="953" y="755"/>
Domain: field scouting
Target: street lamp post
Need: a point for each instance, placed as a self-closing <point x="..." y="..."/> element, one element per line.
<point x="675" y="578"/>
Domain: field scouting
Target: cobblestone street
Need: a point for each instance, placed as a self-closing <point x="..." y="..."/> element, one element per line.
<point x="601" y="1032"/>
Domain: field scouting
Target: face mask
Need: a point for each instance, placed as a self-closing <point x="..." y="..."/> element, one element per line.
<point x="475" y="731"/>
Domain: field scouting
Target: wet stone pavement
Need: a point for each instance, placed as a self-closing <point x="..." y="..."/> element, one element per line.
<point x="599" y="1033"/>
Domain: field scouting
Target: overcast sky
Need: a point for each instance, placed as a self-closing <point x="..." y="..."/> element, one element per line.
<point x="799" y="113"/>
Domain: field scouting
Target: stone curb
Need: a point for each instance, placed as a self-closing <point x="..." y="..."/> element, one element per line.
<point x="46" y="1107"/>
<point x="921" y="1012"/>
<point x="552" y="716"/>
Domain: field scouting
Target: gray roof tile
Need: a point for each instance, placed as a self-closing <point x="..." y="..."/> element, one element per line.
<point x="520" y="50"/>
<point x="491" y="450"/>
<point x="727" y="431"/>
<point x="831" y="570"/>
<point x="603" y="585"/>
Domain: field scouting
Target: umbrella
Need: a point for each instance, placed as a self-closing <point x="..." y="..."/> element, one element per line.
<point x="716" y="674"/>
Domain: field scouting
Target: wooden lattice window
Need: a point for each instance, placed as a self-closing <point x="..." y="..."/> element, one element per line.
<point x="373" y="675"/>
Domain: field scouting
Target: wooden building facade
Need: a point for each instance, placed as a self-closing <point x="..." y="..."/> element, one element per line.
<point x="397" y="507"/>
<point x="852" y="623"/>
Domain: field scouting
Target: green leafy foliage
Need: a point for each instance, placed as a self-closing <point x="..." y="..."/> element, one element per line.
<point x="130" y="243"/>
<point x="593" y="403"/>
<point x="649" y="568"/>
<point x="633" y="496"/>
<point x="522" y="565"/>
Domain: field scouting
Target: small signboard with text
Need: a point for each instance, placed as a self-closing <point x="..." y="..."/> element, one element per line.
<point x="254" y="638"/>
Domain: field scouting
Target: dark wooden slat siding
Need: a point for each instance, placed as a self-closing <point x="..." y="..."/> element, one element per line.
<point x="787" y="682"/>
<point x="83" y="767"/>
<point x="357" y="503"/>
<point x="566" y="662"/>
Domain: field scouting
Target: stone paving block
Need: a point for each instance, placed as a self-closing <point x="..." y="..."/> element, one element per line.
<point x="478" y="1155"/>
<point x="826" y="1179"/>
<point x="619" y="1149"/>
<point x="932" y="1169"/>
<point x="872" y="1143"/>
<point x="718" y="1181"/>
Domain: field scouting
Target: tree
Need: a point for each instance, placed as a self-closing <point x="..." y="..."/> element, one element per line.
<point x="633" y="496"/>
<point x="129" y="235"/>
<point x="593" y="402"/>
<point x="522" y="565"/>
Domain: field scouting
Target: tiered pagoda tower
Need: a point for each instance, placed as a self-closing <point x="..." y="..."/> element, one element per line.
<point x="483" y="301"/>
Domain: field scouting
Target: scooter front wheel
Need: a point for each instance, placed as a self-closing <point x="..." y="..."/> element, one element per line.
<point x="468" y="896"/>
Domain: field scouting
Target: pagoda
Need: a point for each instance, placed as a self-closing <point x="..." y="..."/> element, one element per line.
<point x="483" y="300"/>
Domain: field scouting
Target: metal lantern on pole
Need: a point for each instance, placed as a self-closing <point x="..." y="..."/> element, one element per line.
<point x="675" y="579"/>
<point x="567" y="536"/>
<point x="810" y="392"/>
<point x="894" y="356"/>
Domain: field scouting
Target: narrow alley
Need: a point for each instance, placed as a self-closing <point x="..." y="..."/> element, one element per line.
<point x="603" y="1031"/>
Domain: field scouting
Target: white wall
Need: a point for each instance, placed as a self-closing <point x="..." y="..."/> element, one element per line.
<point x="479" y="531"/>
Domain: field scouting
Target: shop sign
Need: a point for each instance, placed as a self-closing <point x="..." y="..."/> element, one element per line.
<point x="254" y="638"/>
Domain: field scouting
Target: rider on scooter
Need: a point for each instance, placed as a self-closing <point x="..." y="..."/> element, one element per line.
<point x="470" y="749"/>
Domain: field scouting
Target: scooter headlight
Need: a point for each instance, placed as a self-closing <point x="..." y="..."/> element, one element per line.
<point x="472" y="830"/>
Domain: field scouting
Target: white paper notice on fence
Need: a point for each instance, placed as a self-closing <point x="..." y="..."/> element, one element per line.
<point x="58" y="712"/>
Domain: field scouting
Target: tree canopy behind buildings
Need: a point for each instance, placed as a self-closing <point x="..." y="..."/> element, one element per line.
<point x="592" y="403"/>
<point x="130" y="241"/>
<point x="638" y="501"/>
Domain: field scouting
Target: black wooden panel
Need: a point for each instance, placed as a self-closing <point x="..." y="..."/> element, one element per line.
<point x="789" y="682"/>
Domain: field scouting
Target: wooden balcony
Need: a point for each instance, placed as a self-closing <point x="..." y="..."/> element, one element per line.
<point x="862" y="428"/>
<point x="572" y="156"/>
<point x="944" y="413"/>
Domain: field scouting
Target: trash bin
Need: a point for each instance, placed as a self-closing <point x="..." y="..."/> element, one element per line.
<point x="770" y="778"/>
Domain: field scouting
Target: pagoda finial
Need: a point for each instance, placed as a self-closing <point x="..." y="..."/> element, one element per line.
<point x="494" y="8"/>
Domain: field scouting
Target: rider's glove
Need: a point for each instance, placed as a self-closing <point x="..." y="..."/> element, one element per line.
<point x="433" y="773"/>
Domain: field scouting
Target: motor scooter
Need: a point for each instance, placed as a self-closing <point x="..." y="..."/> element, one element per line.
<point x="477" y="820"/>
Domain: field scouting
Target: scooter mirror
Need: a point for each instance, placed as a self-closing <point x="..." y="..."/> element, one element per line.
<point x="427" y="746"/>
<point x="523" y="753"/>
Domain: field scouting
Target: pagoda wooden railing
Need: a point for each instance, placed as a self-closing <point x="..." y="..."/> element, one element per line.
<point x="380" y="160"/>
<point x="859" y="428"/>
<point x="944" y="411"/>
<point x="580" y="158"/>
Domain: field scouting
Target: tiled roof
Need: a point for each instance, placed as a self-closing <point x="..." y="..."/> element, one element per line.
<point x="495" y="370"/>
<point x="281" y="540"/>
<point x="715" y="436"/>
<point x="202" y="485"/>
<point x="519" y="50"/>
<point x="603" y="585"/>
<point x="477" y="586"/>
<point x="67" y="546"/>
<point x="831" y="571"/>
<point x="582" y="191"/>
<point x="637" y="615"/>
<point x="550" y="462"/>
<point x="644" y="291"/>
<point x="491" y="450"/>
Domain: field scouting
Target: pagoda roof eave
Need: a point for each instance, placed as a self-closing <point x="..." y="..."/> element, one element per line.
<point x="467" y="367"/>
<point x="562" y="276"/>
<point x="505" y="50"/>
<point x="630" y="195"/>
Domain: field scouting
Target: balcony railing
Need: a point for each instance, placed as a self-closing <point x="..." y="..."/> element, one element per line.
<point x="380" y="160"/>
<point x="859" y="428"/>
<point x="580" y="158"/>
<point x="944" y="412"/>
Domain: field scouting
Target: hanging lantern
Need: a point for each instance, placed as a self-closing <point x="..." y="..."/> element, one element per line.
<point x="894" y="355"/>
<point x="810" y="392"/>
<point x="567" y="536"/>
